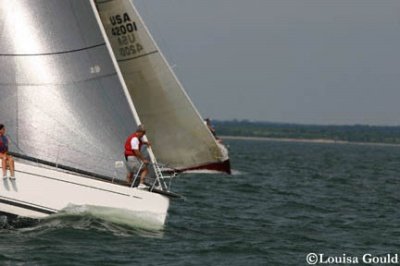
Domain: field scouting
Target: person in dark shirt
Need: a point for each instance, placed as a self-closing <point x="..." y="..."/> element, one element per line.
<point x="7" y="160"/>
<point x="207" y="122"/>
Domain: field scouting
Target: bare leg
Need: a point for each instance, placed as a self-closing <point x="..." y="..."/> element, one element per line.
<point x="4" y="165"/>
<point x="129" y="177"/>
<point x="11" y="165"/>
<point x="143" y="175"/>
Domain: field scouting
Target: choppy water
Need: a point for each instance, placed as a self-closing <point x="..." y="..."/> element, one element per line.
<point x="284" y="201"/>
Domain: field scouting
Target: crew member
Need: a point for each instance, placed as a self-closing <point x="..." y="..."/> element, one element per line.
<point x="7" y="160"/>
<point x="135" y="158"/>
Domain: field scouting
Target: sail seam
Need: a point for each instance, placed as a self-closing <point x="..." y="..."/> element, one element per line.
<point x="103" y="2"/>
<point x="57" y="53"/>
<point x="64" y="83"/>
<point x="136" y="57"/>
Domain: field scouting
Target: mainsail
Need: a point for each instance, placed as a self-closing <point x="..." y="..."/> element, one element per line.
<point x="60" y="97"/>
<point x="178" y="135"/>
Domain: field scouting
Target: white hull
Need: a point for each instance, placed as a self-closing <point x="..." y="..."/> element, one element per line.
<point x="40" y="191"/>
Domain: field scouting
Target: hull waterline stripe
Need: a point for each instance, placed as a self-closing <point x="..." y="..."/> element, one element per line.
<point x="24" y="205"/>
<point x="220" y="167"/>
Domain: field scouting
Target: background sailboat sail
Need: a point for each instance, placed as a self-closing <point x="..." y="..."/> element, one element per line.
<point x="178" y="135"/>
<point x="60" y="97"/>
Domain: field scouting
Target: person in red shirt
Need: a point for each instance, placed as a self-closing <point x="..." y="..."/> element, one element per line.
<point x="135" y="158"/>
<point x="6" y="159"/>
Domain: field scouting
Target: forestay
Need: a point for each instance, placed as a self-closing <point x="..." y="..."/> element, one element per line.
<point x="178" y="135"/>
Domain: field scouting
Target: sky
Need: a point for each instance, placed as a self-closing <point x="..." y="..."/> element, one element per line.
<point x="292" y="61"/>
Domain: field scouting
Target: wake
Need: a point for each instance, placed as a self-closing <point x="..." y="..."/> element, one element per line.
<point x="87" y="218"/>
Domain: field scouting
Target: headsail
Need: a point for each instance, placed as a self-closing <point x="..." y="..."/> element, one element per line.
<point x="60" y="96"/>
<point x="178" y="135"/>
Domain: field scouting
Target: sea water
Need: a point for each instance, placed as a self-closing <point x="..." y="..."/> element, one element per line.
<point x="287" y="203"/>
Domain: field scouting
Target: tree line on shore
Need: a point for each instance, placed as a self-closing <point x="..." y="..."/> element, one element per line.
<point x="353" y="133"/>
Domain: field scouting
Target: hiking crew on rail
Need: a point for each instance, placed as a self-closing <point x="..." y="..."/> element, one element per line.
<point x="7" y="160"/>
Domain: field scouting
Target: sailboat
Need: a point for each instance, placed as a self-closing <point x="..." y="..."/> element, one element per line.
<point x="77" y="78"/>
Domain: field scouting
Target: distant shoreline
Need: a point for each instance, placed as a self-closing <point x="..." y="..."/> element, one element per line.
<point x="319" y="141"/>
<point x="355" y="134"/>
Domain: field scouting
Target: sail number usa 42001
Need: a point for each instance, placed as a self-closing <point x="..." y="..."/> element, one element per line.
<point x="123" y="28"/>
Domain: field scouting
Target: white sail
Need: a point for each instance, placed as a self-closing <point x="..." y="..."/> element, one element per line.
<point x="178" y="135"/>
<point x="66" y="114"/>
<point x="60" y="97"/>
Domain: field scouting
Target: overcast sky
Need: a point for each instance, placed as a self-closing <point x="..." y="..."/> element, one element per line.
<point x="301" y="61"/>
